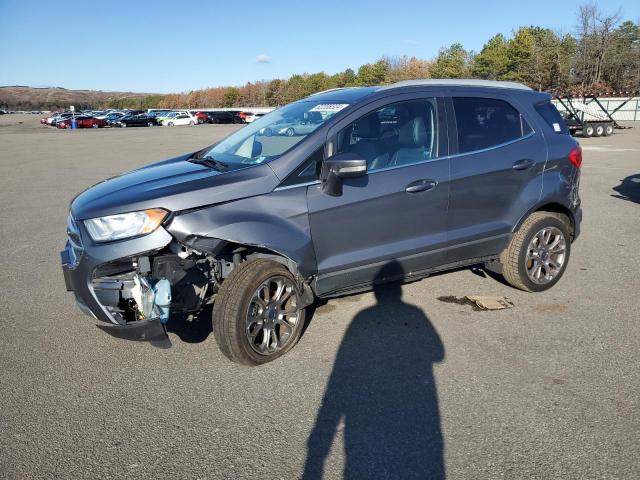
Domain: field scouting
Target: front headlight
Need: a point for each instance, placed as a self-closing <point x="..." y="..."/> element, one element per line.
<point x="125" y="225"/>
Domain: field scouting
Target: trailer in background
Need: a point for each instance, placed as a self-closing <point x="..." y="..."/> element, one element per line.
<point x="586" y="114"/>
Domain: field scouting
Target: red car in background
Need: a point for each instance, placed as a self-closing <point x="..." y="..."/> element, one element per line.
<point x="84" y="122"/>
<point x="202" y="117"/>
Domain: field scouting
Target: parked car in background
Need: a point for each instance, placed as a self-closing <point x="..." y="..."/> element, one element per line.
<point x="113" y="117"/>
<point x="221" y="117"/>
<point x="158" y="113"/>
<point x="302" y="125"/>
<point x="83" y="121"/>
<point x="160" y="116"/>
<point x="253" y="117"/>
<point x="238" y="115"/>
<point x="179" y="118"/>
<point x="61" y="117"/>
<point x="201" y="117"/>
<point x="135" y="120"/>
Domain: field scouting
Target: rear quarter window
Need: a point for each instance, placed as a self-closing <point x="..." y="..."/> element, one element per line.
<point x="550" y="114"/>
<point x="487" y="122"/>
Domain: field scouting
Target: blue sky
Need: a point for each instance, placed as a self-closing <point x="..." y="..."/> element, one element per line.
<point x="174" y="46"/>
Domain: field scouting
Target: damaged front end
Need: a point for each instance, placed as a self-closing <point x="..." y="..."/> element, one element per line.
<point x="137" y="294"/>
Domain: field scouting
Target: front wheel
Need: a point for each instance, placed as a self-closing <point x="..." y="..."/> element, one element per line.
<point x="170" y="124"/>
<point x="256" y="318"/>
<point x="149" y="124"/>
<point x="191" y="123"/>
<point x="538" y="253"/>
<point x="290" y="132"/>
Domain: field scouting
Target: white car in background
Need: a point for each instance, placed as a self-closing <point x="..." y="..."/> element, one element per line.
<point x="179" y="118"/>
<point x="253" y="117"/>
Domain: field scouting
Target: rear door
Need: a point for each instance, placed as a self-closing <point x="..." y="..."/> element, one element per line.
<point x="398" y="211"/>
<point x="496" y="173"/>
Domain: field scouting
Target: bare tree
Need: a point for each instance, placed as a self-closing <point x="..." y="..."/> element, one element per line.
<point x="594" y="34"/>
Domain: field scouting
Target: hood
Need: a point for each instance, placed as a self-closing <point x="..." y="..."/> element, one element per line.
<point x="174" y="185"/>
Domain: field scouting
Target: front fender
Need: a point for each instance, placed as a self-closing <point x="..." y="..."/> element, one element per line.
<point x="277" y="221"/>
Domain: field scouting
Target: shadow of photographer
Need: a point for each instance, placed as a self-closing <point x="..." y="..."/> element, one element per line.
<point x="381" y="396"/>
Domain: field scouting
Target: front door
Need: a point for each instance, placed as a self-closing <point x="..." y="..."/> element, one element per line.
<point x="398" y="210"/>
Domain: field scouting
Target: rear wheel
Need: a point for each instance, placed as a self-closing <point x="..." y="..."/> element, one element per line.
<point x="170" y="124"/>
<point x="149" y="124"/>
<point x="538" y="253"/>
<point x="191" y="123"/>
<point x="256" y="318"/>
<point x="608" y="129"/>
<point x="588" y="130"/>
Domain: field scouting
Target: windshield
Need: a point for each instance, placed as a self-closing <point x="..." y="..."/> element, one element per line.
<point x="270" y="136"/>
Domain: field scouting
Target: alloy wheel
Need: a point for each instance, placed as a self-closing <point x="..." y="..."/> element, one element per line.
<point x="545" y="255"/>
<point x="273" y="315"/>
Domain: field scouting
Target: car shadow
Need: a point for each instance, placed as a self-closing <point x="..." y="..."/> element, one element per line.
<point x="381" y="397"/>
<point x="192" y="328"/>
<point x="629" y="189"/>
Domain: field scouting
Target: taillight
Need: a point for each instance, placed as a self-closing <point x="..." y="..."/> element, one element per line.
<point x="575" y="156"/>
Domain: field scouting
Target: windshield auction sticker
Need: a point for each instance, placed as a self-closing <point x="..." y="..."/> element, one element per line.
<point x="329" y="107"/>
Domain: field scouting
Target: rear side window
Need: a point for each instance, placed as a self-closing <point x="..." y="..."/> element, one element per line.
<point x="487" y="122"/>
<point x="549" y="112"/>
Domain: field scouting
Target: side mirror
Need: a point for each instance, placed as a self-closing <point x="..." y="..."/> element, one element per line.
<point x="339" y="166"/>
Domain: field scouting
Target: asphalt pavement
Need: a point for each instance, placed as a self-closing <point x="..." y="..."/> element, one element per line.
<point x="387" y="384"/>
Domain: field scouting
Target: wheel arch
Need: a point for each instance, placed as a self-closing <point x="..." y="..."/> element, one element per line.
<point x="551" y="207"/>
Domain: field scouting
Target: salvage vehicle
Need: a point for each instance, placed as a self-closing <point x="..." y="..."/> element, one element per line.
<point x="428" y="175"/>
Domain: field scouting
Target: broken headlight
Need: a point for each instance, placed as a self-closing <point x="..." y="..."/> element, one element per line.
<point x="125" y="225"/>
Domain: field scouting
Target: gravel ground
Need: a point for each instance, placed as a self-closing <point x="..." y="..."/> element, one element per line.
<point x="398" y="385"/>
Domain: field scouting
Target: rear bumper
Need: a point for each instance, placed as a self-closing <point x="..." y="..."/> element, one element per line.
<point x="577" y="221"/>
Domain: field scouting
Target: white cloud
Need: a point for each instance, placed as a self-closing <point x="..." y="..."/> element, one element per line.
<point x="262" y="58"/>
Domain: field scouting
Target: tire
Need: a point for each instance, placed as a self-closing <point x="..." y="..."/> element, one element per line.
<point x="608" y="129"/>
<point x="94" y="125"/>
<point x="240" y="295"/>
<point x="149" y="124"/>
<point x="290" y="132"/>
<point x="170" y="124"/>
<point x="191" y="123"/>
<point x="588" y="130"/>
<point x="519" y="270"/>
<point x="123" y="125"/>
<point x="599" y="130"/>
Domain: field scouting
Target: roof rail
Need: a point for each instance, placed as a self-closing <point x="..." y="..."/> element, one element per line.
<point x="328" y="90"/>
<point x="455" y="82"/>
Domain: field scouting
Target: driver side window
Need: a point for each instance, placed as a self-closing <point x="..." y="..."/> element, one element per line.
<point x="398" y="134"/>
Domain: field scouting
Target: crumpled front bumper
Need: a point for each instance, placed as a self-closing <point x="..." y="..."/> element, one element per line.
<point x="98" y="296"/>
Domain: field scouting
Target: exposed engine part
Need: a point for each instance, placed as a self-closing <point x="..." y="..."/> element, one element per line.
<point x="162" y="298"/>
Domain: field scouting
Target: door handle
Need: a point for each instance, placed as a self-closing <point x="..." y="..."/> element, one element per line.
<point x="523" y="164"/>
<point x="423" y="185"/>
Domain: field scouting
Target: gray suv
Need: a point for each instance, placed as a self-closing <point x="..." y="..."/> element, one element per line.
<point x="430" y="175"/>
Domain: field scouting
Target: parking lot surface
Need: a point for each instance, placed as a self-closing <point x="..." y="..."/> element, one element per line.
<point x="398" y="384"/>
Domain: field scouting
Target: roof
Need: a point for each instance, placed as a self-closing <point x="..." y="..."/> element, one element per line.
<point x="454" y="82"/>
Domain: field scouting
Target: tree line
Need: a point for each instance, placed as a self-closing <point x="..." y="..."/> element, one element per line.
<point x="603" y="54"/>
